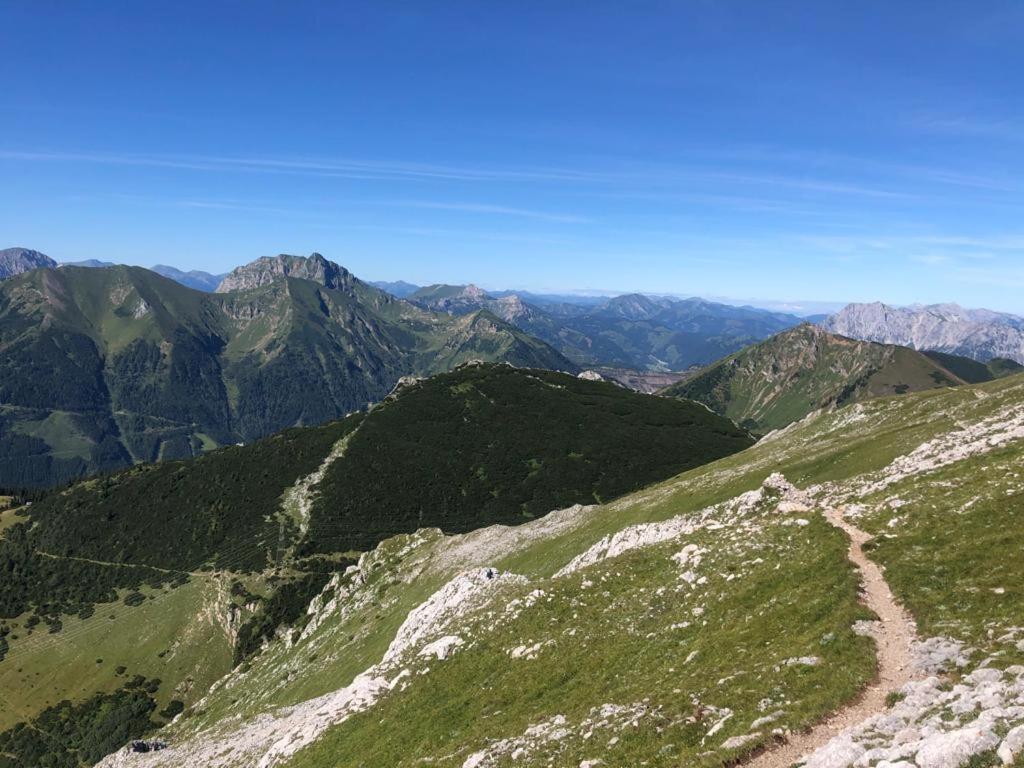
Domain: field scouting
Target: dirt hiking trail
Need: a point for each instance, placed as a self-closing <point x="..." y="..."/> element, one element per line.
<point x="894" y="636"/>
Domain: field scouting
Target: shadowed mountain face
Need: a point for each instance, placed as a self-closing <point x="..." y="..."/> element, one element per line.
<point x="630" y="331"/>
<point x="974" y="372"/>
<point x="980" y="334"/>
<point x="778" y="381"/>
<point x="103" y="367"/>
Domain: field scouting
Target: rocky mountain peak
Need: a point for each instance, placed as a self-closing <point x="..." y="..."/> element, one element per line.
<point x="14" y="261"/>
<point x="268" y="269"/>
<point x="813" y="333"/>
<point x="799" y="346"/>
<point x="980" y="334"/>
<point x="510" y="308"/>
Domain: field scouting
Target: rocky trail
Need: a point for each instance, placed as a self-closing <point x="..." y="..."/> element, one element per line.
<point x="113" y="564"/>
<point x="894" y="635"/>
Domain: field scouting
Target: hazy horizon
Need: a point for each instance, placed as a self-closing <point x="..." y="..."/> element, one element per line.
<point x="832" y="152"/>
<point x="798" y="307"/>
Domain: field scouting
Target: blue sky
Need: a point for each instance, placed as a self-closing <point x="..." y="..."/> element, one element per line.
<point x="778" y="151"/>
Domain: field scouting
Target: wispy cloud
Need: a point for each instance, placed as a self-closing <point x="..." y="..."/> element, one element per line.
<point x="973" y="126"/>
<point x="198" y="204"/>
<point x="1011" y="242"/>
<point x="953" y="258"/>
<point x="811" y="184"/>
<point x="968" y="246"/>
<point x="242" y="207"/>
<point x="614" y="172"/>
<point x="485" y="208"/>
<point x="999" y="277"/>
<point x="349" y="169"/>
<point x="805" y="208"/>
<point x="831" y="163"/>
<point x="454" y="235"/>
<point x="332" y="208"/>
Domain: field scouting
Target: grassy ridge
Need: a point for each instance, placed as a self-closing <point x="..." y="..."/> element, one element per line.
<point x="966" y="582"/>
<point x="778" y="381"/>
<point x="177" y="635"/>
<point x="634" y="638"/>
<point x="157" y="524"/>
<point x="951" y="559"/>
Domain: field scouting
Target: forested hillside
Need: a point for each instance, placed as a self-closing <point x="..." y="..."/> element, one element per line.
<point x="504" y="446"/>
<point x="975" y="372"/>
<point x="177" y="570"/>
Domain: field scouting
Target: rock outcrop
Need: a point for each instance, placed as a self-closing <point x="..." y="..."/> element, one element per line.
<point x="268" y="269"/>
<point x="14" y="261"/>
<point x="980" y="334"/>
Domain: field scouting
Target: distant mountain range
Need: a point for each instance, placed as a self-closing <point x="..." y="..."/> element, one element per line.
<point x="782" y="379"/>
<point x="201" y="281"/>
<point x="92" y="263"/>
<point x="655" y="333"/>
<point x="398" y="288"/>
<point x="980" y="334"/>
<point x="631" y="331"/>
<point x="195" y="278"/>
<point x="105" y="367"/>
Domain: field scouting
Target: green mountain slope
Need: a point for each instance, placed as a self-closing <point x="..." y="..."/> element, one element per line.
<point x="975" y="372"/>
<point x="100" y="365"/>
<point x="692" y="623"/>
<point x="776" y="382"/>
<point x="105" y="367"/>
<point x="174" y="570"/>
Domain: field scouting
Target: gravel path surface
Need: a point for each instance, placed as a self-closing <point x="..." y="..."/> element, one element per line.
<point x="894" y="636"/>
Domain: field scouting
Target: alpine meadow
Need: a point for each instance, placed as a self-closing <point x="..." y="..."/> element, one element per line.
<point x="495" y="385"/>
